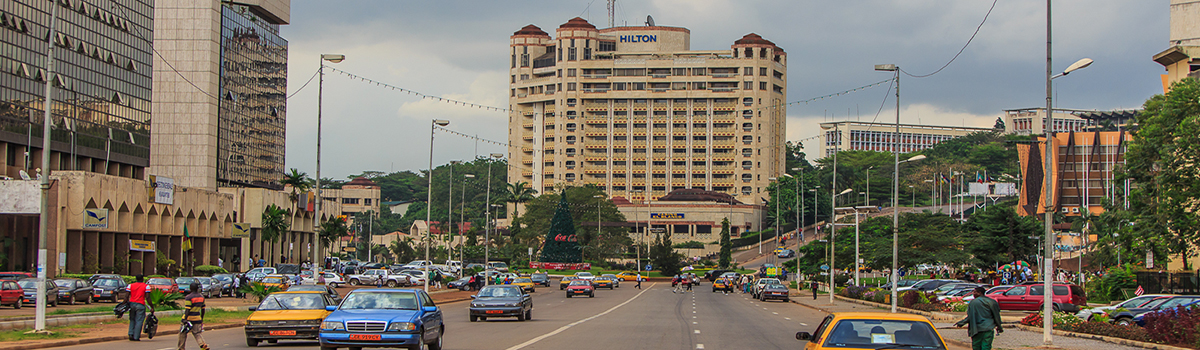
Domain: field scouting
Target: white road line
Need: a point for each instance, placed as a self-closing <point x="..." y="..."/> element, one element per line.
<point x="803" y="324"/>
<point x="693" y="316"/>
<point x="775" y="313"/>
<point x="699" y="346"/>
<point x="696" y="331"/>
<point x="787" y="318"/>
<point x="693" y="322"/>
<point x="573" y="324"/>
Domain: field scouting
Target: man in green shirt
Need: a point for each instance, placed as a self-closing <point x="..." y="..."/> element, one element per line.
<point x="983" y="315"/>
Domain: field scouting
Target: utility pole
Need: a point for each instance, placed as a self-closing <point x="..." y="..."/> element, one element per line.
<point x="44" y="218"/>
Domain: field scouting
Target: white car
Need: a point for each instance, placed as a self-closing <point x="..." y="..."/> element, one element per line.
<point x="331" y="279"/>
<point x="454" y="265"/>
<point x="417" y="264"/>
<point x="498" y="266"/>
<point x="585" y="276"/>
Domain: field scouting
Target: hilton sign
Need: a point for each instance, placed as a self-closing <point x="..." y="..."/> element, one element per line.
<point x="639" y="38"/>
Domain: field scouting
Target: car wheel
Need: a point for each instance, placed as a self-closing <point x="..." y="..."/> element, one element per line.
<point x="482" y="318"/>
<point x="592" y="295"/>
<point x="391" y="284"/>
<point x="354" y="282"/>
<point x="71" y="301"/>
<point x="521" y="317"/>
<point x="272" y="341"/>
<point x="474" y="318"/>
<point x="529" y="315"/>
<point x="437" y="343"/>
<point x="1056" y="307"/>
<point x="328" y="348"/>
<point x="1124" y="321"/>
<point x="251" y="342"/>
<point x="568" y="295"/>
<point x="18" y="304"/>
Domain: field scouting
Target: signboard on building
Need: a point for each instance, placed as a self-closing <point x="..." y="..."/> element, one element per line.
<point x="141" y="246"/>
<point x="162" y="190"/>
<point x="240" y="230"/>
<point x="95" y="218"/>
<point x="666" y="215"/>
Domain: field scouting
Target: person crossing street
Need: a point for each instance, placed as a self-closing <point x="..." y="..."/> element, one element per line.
<point x="193" y="318"/>
<point x="137" y="308"/>
<point x="983" y="315"/>
<point x="639" y="281"/>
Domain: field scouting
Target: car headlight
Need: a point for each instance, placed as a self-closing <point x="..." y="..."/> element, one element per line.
<point x="314" y="321"/>
<point x="476" y="305"/>
<point x="332" y="326"/>
<point x="402" y="326"/>
<point x="256" y="323"/>
<point x="511" y="304"/>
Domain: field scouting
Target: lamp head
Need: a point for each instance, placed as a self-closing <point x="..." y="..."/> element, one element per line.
<point x="1080" y="64"/>
<point x="848" y="190"/>
<point x="497" y="155"/>
<point x="333" y="57"/>
<point x="469" y="176"/>
<point x="441" y="122"/>
<point x="886" y="67"/>
<point x="916" y="158"/>
<point x="788" y="175"/>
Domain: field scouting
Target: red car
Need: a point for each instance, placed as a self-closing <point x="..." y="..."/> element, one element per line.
<point x="581" y="287"/>
<point x="166" y="285"/>
<point x="15" y="276"/>
<point x="1067" y="297"/>
<point x="11" y="294"/>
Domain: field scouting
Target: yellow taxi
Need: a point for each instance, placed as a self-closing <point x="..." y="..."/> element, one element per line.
<point x="525" y="283"/>
<point x="779" y="250"/>
<point x="627" y="276"/>
<point x="564" y="282"/>
<point x="722" y="285"/>
<point x="278" y="281"/>
<point x="287" y="315"/>
<point x="873" y="330"/>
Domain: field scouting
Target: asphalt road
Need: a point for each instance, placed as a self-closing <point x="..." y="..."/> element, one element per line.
<point x="651" y="318"/>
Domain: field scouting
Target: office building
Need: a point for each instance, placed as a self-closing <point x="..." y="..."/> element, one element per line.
<point x="1032" y="121"/>
<point x="863" y="136"/>
<point x="360" y="195"/>
<point x="1181" y="59"/>
<point x="1083" y="177"/>
<point x="639" y="113"/>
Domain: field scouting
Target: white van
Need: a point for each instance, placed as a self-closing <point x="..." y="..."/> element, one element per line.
<point x="455" y="265"/>
<point x="498" y="266"/>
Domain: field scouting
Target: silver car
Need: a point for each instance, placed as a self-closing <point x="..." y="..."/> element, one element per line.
<point x="209" y="287"/>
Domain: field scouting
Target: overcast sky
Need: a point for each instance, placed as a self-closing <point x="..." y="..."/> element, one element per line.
<point x="458" y="49"/>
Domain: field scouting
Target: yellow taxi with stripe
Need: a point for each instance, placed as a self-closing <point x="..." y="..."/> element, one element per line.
<point x="564" y="282"/>
<point x="287" y="316"/>
<point x="627" y="276"/>
<point x="722" y="284"/>
<point x="277" y="281"/>
<point x="873" y="330"/>
<point x="525" y="283"/>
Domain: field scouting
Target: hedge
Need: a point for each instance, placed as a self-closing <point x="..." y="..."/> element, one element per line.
<point x="752" y="238"/>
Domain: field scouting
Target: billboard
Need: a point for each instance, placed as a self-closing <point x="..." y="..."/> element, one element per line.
<point x="240" y="230"/>
<point x="162" y="190"/>
<point x="95" y="218"/>
<point x="141" y="246"/>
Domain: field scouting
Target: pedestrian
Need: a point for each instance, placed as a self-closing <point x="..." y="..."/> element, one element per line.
<point x="193" y="318"/>
<point x="237" y="284"/>
<point x="639" y="280"/>
<point x="983" y="315"/>
<point x="437" y="280"/>
<point x="813" y="284"/>
<point x="675" y="284"/>
<point x="137" y="308"/>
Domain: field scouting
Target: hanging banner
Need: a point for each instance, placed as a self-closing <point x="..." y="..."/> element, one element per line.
<point x="666" y="215"/>
<point x="560" y="266"/>
<point x="141" y="246"/>
<point x="240" y="230"/>
<point x="162" y="190"/>
<point x="95" y="218"/>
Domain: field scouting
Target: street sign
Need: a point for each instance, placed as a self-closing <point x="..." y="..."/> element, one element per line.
<point x="824" y="267"/>
<point x="658" y="230"/>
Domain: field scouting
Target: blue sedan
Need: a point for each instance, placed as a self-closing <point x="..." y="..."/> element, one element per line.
<point x="383" y="318"/>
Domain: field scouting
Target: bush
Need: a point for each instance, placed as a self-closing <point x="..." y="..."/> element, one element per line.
<point x="208" y="270"/>
<point x="853" y="292"/>
<point x="1061" y="320"/>
<point x="83" y="276"/>
<point x="1179" y="326"/>
<point x="1109" y="330"/>
<point x="911" y="298"/>
<point x="930" y="307"/>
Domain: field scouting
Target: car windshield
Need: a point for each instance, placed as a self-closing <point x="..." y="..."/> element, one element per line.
<point x="64" y="283"/>
<point x="776" y="287"/>
<point x="580" y="283"/>
<point x="769" y="281"/>
<point x="539" y="275"/>
<point x="498" y="292"/>
<point x="107" y="283"/>
<point x="29" y="284"/>
<point x="499" y="265"/>
<point x="223" y="278"/>
<point x="183" y="281"/>
<point x="205" y="280"/>
<point x="875" y="334"/>
<point x="307" y="288"/>
<point x="292" y="301"/>
<point x="923" y="283"/>
<point x="160" y="281"/>
<point x="584" y="274"/>
<point x="523" y="280"/>
<point x="380" y="300"/>
<point x="1135" y="302"/>
<point x="272" y="280"/>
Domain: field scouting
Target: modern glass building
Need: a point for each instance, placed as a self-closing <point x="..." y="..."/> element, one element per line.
<point x="253" y="101"/>
<point x="102" y="81"/>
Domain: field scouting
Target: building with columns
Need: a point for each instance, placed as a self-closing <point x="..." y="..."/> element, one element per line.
<point x="639" y="113"/>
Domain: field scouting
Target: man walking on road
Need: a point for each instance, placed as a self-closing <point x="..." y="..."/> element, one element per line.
<point x="813" y="284"/>
<point x="639" y="281"/>
<point x="193" y="318"/>
<point x="137" y="308"/>
<point x="983" y="315"/>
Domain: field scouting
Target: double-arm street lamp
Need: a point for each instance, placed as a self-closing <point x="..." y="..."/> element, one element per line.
<point x="462" y="217"/>
<point x="429" y="198"/>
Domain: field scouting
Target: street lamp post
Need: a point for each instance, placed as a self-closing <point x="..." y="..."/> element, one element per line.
<point x="333" y="58"/>
<point x="832" y="236"/>
<point x="597" y="215"/>
<point x="429" y="198"/>
<point x="913" y="202"/>
<point x="777" y="197"/>
<point x="44" y="210"/>
<point x="867" y="200"/>
<point x="462" y="217"/>
<point x="487" y="239"/>
<point x="450" y="205"/>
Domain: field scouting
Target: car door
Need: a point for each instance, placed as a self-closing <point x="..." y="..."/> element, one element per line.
<point x="10" y="292"/>
<point x="431" y="319"/>
<point x="83" y="290"/>
<point x="1012" y="298"/>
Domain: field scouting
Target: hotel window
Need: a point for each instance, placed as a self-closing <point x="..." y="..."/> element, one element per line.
<point x="366" y="201"/>
<point x="747" y="85"/>
<point x="748" y="70"/>
<point x="762" y="85"/>
<point x="762" y="71"/>
<point x="699" y="71"/>
<point x="570" y="86"/>
<point x="587" y="53"/>
<point x="349" y="200"/>
<point x="747" y="101"/>
<point x="570" y="72"/>
<point x="571" y="53"/>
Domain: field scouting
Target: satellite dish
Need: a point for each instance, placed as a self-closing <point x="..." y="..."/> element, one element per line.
<point x="649" y="21"/>
<point x="25" y="176"/>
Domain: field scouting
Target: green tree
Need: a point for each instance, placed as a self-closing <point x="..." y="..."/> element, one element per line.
<point x="274" y="225"/>
<point x="1162" y="159"/>
<point x="331" y="230"/>
<point x="518" y="193"/>
<point x="726" y="254"/>
<point x="561" y="244"/>
<point x="582" y="202"/>
<point x="664" y="257"/>
<point x="299" y="181"/>
<point x="1000" y="236"/>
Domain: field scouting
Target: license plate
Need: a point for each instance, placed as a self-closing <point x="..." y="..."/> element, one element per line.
<point x="365" y="337"/>
<point x="284" y="333"/>
<point x="494" y="311"/>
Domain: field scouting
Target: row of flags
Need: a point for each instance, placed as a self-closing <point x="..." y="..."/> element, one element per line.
<point x="980" y="178"/>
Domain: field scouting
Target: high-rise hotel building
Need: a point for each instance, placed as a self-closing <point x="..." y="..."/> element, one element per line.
<point x="637" y="112"/>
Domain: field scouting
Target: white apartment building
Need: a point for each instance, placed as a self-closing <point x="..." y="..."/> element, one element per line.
<point x="864" y="136"/>
<point x="638" y="113"/>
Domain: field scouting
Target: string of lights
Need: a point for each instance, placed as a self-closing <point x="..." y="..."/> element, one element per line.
<point x="416" y="93"/>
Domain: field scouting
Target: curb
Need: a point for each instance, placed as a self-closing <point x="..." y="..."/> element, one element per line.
<point x="1118" y="341"/>
<point x="81" y="341"/>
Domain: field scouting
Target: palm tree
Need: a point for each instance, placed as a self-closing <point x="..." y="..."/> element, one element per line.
<point x="331" y="230"/>
<point x="299" y="182"/>
<point x="273" y="225"/>
<point x="517" y="193"/>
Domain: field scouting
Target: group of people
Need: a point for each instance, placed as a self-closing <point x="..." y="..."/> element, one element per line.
<point x="682" y="281"/>
<point x="192" y="321"/>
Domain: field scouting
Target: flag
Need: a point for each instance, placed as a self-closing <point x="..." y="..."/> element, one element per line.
<point x="1139" y="291"/>
<point x="187" y="239"/>
<point x="978" y="177"/>
<point x="944" y="179"/>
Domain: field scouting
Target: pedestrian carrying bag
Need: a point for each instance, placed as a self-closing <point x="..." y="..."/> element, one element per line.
<point x="151" y="326"/>
<point x="121" y="309"/>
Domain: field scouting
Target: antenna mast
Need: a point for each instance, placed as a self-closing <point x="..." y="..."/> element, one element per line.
<point x="612" y="12"/>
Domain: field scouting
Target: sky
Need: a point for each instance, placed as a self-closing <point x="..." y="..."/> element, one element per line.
<point x="459" y="50"/>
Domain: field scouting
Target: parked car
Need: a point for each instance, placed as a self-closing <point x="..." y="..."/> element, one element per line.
<point x="501" y="301"/>
<point x="185" y="285"/>
<point x="329" y="291"/>
<point x="287" y="315"/>
<point x="376" y="276"/>
<point x="1131" y="303"/>
<point x="92" y="279"/>
<point x="15" y="276"/>
<point x="473" y="266"/>
<point x="455" y="266"/>
<point x="73" y="290"/>
<point x="997" y="289"/>
<point x="383" y="318"/>
<point x="463" y="284"/>
<point x="209" y="287"/>
<point x="927" y="285"/>
<point x="225" y="281"/>
<point x="773" y="291"/>
<point x="628" y="276"/>
<point x="164" y="284"/>
<point x="11" y="294"/>
<point x="1067" y="297"/>
<point x="111" y="289"/>
<point x="1126" y="317"/>
<point x="417" y="264"/>
<point x="278" y="281"/>
<point x="29" y="287"/>
<point x="1184" y="302"/>
<point x="258" y="273"/>
<point x="331" y="279"/>
<point x="900" y="284"/>
<point x="498" y="266"/>
<point x="873" y="330"/>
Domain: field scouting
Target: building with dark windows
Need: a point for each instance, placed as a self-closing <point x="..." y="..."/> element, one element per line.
<point x="101" y="78"/>
<point x="253" y="101"/>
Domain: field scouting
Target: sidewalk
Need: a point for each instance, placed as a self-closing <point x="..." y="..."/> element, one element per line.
<point x="1013" y="338"/>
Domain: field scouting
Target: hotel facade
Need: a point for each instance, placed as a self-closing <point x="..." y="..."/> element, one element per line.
<point x="638" y="113"/>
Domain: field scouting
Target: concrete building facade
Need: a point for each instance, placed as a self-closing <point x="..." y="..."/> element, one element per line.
<point x="638" y="113"/>
<point x="853" y="135"/>
<point x="1181" y="59"/>
<point x="1032" y="121"/>
<point x="360" y="195"/>
<point x="689" y="215"/>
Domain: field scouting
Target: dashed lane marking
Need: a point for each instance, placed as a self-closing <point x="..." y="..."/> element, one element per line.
<point x="775" y="313"/>
<point x="803" y="324"/>
<point x="699" y="346"/>
<point x="573" y="324"/>
<point x="787" y="318"/>
<point x="696" y="331"/>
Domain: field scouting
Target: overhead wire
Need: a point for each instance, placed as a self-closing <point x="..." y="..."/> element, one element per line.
<point x="960" y="51"/>
<point x="136" y="32"/>
<point x="310" y="79"/>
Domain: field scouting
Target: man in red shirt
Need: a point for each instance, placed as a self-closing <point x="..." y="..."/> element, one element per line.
<point x="137" y="308"/>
